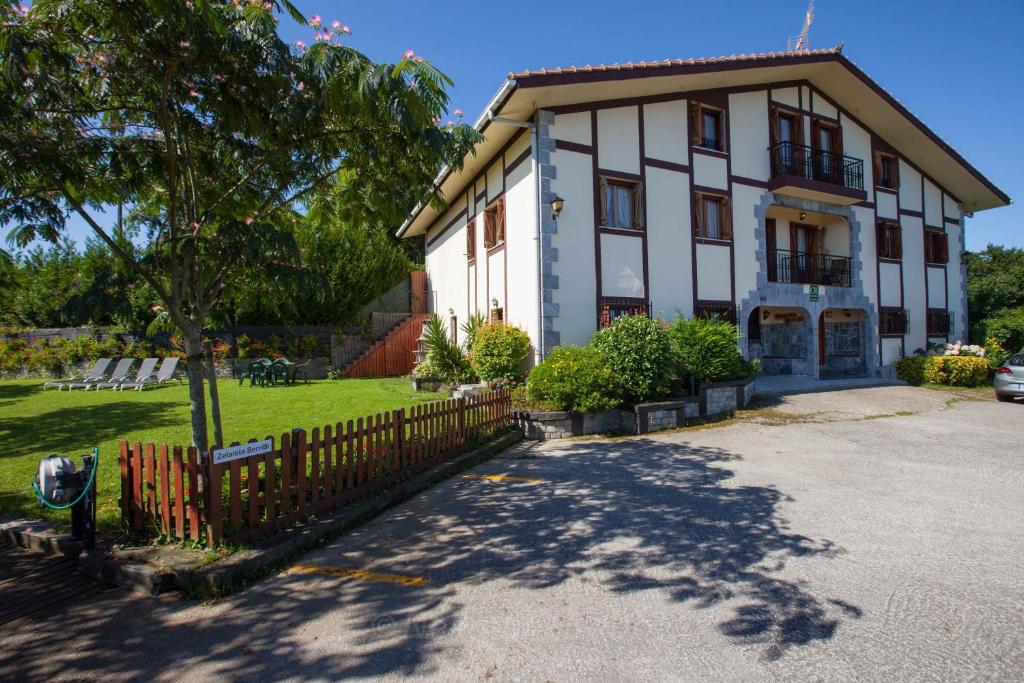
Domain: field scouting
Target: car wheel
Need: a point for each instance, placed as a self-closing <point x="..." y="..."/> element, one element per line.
<point x="1003" y="398"/>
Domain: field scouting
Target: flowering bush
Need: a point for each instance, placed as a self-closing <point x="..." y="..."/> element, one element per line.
<point x="959" y="349"/>
<point x="954" y="370"/>
<point x="574" y="378"/>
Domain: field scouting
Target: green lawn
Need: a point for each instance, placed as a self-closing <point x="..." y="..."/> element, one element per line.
<point x="34" y="423"/>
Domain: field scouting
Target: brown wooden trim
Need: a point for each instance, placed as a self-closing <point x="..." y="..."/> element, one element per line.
<point x="461" y="215"/>
<point x="627" y="232"/>
<point x="526" y="154"/>
<point x="717" y="191"/>
<point x="666" y="165"/>
<point x="912" y="213"/>
<point x="711" y="240"/>
<point x="480" y="198"/>
<point x="954" y="221"/>
<point x="753" y="182"/>
<point x="785" y="179"/>
<point x="595" y="181"/>
<point x="643" y="200"/>
<point x="710" y="152"/>
<point x="619" y="175"/>
<point x="886" y="190"/>
<point x="570" y="146"/>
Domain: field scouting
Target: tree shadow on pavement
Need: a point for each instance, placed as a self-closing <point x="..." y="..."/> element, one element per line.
<point x="628" y="516"/>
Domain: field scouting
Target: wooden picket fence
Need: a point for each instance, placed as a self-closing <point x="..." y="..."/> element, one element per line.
<point x="304" y="474"/>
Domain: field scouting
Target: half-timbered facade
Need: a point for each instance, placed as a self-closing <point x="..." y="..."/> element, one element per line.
<point x="786" y="192"/>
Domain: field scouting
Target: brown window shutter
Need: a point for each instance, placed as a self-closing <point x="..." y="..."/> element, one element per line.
<point x="836" y="134"/>
<point x="726" y="215"/>
<point x="815" y="135"/>
<point x="499" y="214"/>
<point x="881" y="241"/>
<point x="877" y="167"/>
<point x="696" y="124"/>
<point x="698" y="213"/>
<point x="769" y="233"/>
<point x="471" y="240"/>
<point x="602" y="188"/>
<point x="488" y="228"/>
<point x="638" y="206"/>
<point x="895" y="172"/>
<point x="944" y="248"/>
<point x="776" y="133"/>
<point x="896" y="237"/>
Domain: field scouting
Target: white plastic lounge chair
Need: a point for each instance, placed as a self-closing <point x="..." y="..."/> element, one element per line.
<point x="146" y="369"/>
<point x="119" y="374"/>
<point x="97" y="374"/>
<point x="166" y="374"/>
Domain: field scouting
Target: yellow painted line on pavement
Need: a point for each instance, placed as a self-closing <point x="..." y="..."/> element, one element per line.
<point x="503" y="477"/>
<point x="359" y="574"/>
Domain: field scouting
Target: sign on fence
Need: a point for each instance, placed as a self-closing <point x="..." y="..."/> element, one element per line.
<point x="223" y="455"/>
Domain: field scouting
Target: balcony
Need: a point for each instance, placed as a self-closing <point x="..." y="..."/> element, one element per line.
<point x="808" y="173"/>
<point x="808" y="269"/>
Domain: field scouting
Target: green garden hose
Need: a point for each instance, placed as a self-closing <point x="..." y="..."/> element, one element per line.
<point x="92" y="477"/>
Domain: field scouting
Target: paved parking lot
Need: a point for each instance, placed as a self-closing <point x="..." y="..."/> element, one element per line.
<point x="872" y="534"/>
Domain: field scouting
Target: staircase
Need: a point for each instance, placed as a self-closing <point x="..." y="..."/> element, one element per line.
<point x="392" y="356"/>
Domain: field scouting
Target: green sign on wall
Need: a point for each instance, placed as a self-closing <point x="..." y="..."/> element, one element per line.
<point x="814" y="293"/>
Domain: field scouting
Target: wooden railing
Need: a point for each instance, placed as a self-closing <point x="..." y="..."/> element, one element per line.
<point x="392" y="356"/>
<point x="302" y="475"/>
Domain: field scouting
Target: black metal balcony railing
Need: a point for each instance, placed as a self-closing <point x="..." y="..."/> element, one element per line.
<point x="938" y="322"/>
<point x="789" y="158"/>
<point x="808" y="269"/>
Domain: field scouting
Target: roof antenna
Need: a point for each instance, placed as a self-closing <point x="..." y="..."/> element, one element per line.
<point x="801" y="41"/>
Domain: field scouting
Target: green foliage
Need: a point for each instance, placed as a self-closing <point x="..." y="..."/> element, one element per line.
<point x="498" y="353"/>
<point x="706" y="349"/>
<point x="995" y="353"/>
<point x="1007" y="328"/>
<point x="575" y="378"/>
<point x="995" y="295"/>
<point x="444" y="355"/>
<point x="958" y="371"/>
<point x="639" y="352"/>
<point x="469" y="330"/>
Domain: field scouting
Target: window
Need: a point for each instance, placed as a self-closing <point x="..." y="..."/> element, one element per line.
<point x="938" y="322"/>
<point x="892" y="322"/>
<point x="936" y="247"/>
<point x="471" y="240"/>
<point x="621" y="204"/>
<point x="827" y="142"/>
<point x="716" y="309"/>
<point x="708" y="129"/>
<point x="617" y="308"/>
<point x="713" y="216"/>
<point x="890" y="242"/>
<point x="887" y="171"/>
<point x="494" y="224"/>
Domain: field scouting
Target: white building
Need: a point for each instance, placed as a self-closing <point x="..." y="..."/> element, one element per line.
<point x="787" y="191"/>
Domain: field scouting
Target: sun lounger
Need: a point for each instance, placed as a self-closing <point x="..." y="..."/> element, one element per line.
<point x="166" y="374"/>
<point x="97" y="374"/>
<point x="119" y="374"/>
<point x="146" y="369"/>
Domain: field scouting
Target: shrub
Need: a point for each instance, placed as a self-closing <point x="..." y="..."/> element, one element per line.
<point x="574" y="378"/>
<point x="498" y="353"/>
<point x="957" y="371"/>
<point x="995" y="353"/>
<point x="706" y="348"/>
<point x="444" y="355"/>
<point x="639" y="353"/>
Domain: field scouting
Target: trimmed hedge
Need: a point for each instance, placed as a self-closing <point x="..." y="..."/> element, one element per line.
<point x="957" y="371"/>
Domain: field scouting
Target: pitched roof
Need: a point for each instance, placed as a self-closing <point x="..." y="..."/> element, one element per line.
<point x="660" y="64"/>
<point x="524" y="92"/>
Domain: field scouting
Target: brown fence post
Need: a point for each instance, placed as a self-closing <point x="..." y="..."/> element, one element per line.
<point x="461" y="431"/>
<point x="214" y="509"/>
<point x="126" y="495"/>
<point x="398" y="443"/>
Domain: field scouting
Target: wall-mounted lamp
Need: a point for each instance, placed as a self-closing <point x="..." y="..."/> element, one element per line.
<point x="803" y="216"/>
<point x="494" y="303"/>
<point x="556" y="206"/>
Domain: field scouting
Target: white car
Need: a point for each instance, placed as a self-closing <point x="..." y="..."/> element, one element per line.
<point x="1009" y="381"/>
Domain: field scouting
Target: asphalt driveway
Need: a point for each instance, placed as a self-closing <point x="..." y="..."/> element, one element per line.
<point x="872" y="534"/>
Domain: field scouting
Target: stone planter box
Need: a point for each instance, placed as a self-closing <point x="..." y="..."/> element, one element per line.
<point x="427" y="383"/>
<point x="714" y="399"/>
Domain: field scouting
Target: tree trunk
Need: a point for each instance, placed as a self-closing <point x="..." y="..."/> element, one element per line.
<point x="211" y="377"/>
<point x="197" y="401"/>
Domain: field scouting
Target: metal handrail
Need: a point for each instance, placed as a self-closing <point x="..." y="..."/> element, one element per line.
<point x="790" y="158"/>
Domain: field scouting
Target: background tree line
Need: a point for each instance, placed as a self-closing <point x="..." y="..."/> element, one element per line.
<point x="995" y="296"/>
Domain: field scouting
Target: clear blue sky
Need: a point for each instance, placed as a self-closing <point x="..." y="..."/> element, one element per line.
<point x="957" y="65"/>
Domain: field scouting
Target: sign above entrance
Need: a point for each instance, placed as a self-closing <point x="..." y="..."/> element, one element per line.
<point x="814" y="293"/>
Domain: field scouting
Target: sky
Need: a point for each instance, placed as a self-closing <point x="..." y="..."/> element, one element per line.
<point x="959" y="66"/>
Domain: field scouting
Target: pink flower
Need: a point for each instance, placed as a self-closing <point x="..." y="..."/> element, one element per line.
<point x="336" y="25"/>
<point x="194" y="225"/>
<point x="315" y="21"/>
<point x="193" y="93"/>
<point x="417" y="59"/>
<point x="249" y="220"/>
<point x="184" y="44"/>
<point x="300" y="44"/>
<point x="346" y="30"/>
<point x="408" y="54"/>
<point x="458" y="113"/>
<point x="23" y="9"/>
